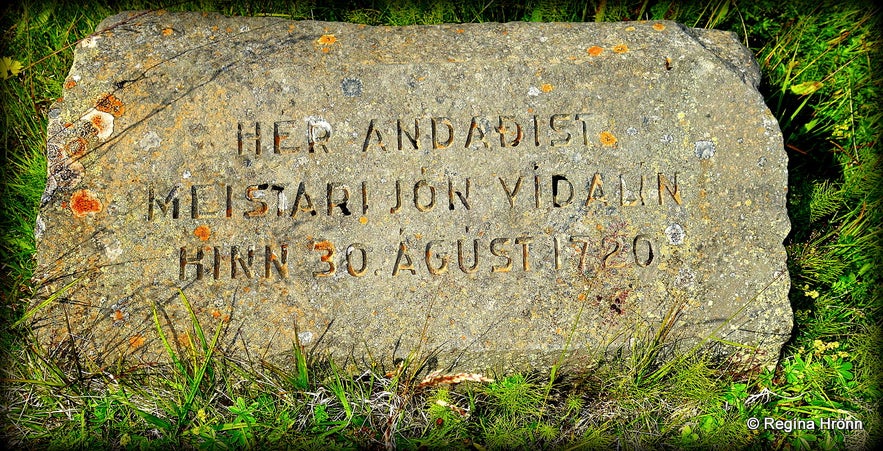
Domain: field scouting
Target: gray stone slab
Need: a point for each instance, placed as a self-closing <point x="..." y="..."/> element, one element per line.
<point x="487" y="194"/>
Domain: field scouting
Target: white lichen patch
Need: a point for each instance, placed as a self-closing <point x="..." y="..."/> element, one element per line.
<point x="318" y="129"/>
<point x="704" y="149"/>
<point x="90" y="42"/>
<point x="675" y="234"/>
<point x="305" y="338"/>
<point x="101" y="121"/>
<point x="150" y="140"/>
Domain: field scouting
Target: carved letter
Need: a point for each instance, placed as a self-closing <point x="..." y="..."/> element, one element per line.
<point x="338" y="203"/>
<point x="250" y="194"/>
<point x="349" y="262"/>
<point x="524" y="241"/>
<point x="443" y="268"/>
<point x="319" y="132"/>
<point x="582" y="118"/>
<point x="235" y="257"/>
<point x="612" y="252"/>
<point x="414" y="139"/>
<point x="431" y="204"/>
<point x="172" y="198"/>
<point x="436" y="144"/>
<point x="241" y="136"/>
<point x="643" y="259"/>
<point x="496" y="243"/>
<point x="281" y="132"/>
<point x="555" y="191"/>
<point x="408" y="265"/>
<point x="280" y="263"/>
<point x="664" y="184"/>
<point x="328" y="248"/>
<point x="196" y="261"/>
<point x="195" y="211"/>
<point x="596" y="187"/>
<point x="377" y="136"/>
<point x="502" y="130"/>
<point x="463" y="198"/>
<point x="302" y="194"/>
<point x="398" y="205"/>
<point x="555" y="127"/>
<point x="473" y="127"/>
<point x="627" y="198"/>
<point x="583" y="251"/>
<point x="511" y="195"/>
<point x="461" y="263"/>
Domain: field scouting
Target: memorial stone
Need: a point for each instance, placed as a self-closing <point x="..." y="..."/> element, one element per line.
<point x="490" y="195"/>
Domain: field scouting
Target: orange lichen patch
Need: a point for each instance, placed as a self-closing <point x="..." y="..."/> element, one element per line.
<point x="546" y="87"/>
<point x="608" y="139"/>
<point x="76" y="147"/>
<point x="110" y="104"/>
<point x="658" y="26"/>
<point x="363" y="220"/>
<point x="184" y="340"/>
<point x="68" y="84"/>
<point x="621" y="48"/>
<point x="460" y="30"/>
<point x="325" y="49"/>
<point x="136" y="341"/>
<point x="203" y="232"/>
<point x="118" y="315"/>
<point x="102" y="123"/>
<point x="216" y="314"/>
<point x="326" y="39"/>
<point x="594" y="50"/>
<point x="84" y="202"/>
<point x="167" y="31"/>
<point x="68" y="124"/>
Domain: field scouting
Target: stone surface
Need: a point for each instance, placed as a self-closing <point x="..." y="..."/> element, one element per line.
<point x="485" y="194"/>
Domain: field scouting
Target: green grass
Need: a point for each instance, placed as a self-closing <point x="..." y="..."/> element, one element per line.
<point x="817" y="61"/>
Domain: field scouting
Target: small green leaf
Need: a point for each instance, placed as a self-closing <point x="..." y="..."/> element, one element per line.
<point x="806" y="88"/>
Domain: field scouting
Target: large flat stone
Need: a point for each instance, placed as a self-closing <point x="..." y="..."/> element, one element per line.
<point x="488" y="193"/>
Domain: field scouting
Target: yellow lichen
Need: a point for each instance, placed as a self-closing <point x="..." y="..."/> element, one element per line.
<point x="203" y="232"/>
<point x="136" y="341"/>
<point x="326" y="39"/>
<point x="607" y="139"/>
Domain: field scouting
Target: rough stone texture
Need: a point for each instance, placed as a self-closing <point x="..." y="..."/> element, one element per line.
<point x="332" y="183"/>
